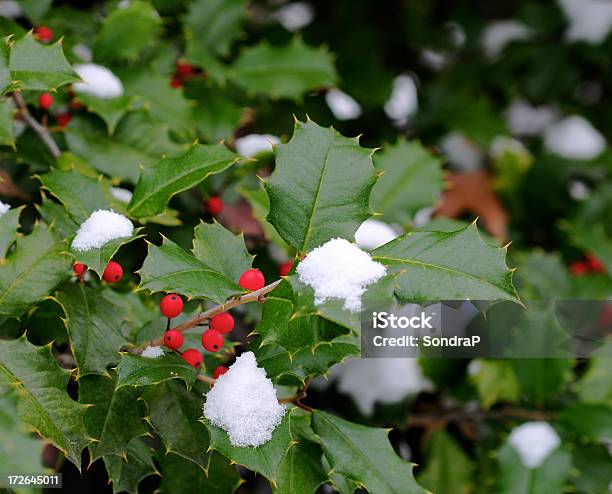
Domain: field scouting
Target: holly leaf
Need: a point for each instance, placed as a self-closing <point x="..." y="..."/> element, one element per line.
<point x="7" y="134"/>
<point x="158" y="183"/>
<point x="311" y="200"/>
<point x="134" y="370"/>
<point x="173" y="412"/>
<point x="495" y="381"/>
<point x="592" y="238"/>
<point x="6" y="81"/>
<point x="38" y="67"/>
<point x="263" y="459"/>
<point x="455" y="265"/>
<point x="286" y="71"/>
<point x="216" y="115"/>
<point x="9" y="222"/>
<point x="232" y="260"/>
<point x="54" y="214"/>
<point x="127" y="31"/>
<point x="31" y="271"/>
<point x="591" y="420"/>
<point x="411" y="179"/>
<point x="111" y="110"/>
<point x="94" y="327"/>
<point x="364" y="455"/>
<point x="169" y="268"/>
<point x="43" y="402"/>
<point x="115" y="417"/>
<point x="126" y="473"/>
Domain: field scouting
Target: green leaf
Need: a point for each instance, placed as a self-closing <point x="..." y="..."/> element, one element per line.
<point x="126" y="474"/>
<point x="169" y="268"/>
<point x="311" y="198"/>
<point x="364" y="455"/>
<point x="115" y="417"/>
<point x="43" y="402"/>
<point x="38" y="67"/>
<point x="173" y="412"/>
<point x="111" y="110"/>
<point x="54" y="214"/>
<point x="495" y="381"/>
<point x="447" y="266"/>
<point x="283" y="71"/>
<point x="180" y="475"/>
<point x="94" y="327"/>
<point x="127" y="31"/>
<point x="211" y="26"/>
<point x="591" y="420"/>
<point x="263" y="459"/>
<point x="595" y="385"/>
<point x="79" y="194"/>
<point x="170" y="176"/>
<point x="31" y="271"/>
<point x="135" y="370"/>
<point x="592" y="238"/>
<point x="412" y="179"/>
<point x="7" y="135"/>
<point x="216" y="116"/>
<point x="217" y="247"/>
<point x="35" y="9"/>
<point x="9" y="222"/>
<point x="6" y="81"/>
<point x="447" y="467"/>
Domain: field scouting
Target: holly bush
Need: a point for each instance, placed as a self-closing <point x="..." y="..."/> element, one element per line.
<point x="208" y="124"/>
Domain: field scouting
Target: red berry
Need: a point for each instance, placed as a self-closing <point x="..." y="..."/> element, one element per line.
<point x="171" y="305"/>
<point x="184" y="69"/>
<point x="594" y="264"/>
<point x="79" y="268"/>
<point x="578" y="268"/>
<point x="213" y="205"/>
<point x="63" y="119"/>
<point x="43" y="34"/>
<point x="192" y="357"/>
<point x="223" y="322"/>
<point x="219" y="371"/>
<point x="212" y="340"/>
<point x="284" y="268"/>
<point x="176" y="83"/>
<point x="173" y="339"/>
<point x="113" y="272"/>
<point x="252" y="280"/>
<point x="45" y="101"/>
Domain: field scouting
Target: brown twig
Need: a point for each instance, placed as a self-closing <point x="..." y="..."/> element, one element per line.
<point x="36" y="126"/>
<point x="206" y="379"/>
<point x="235" y="302"/>
<point x="459" y="415"/>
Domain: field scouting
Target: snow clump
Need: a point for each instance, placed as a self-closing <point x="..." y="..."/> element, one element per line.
<point x="101" y="227"/>
<point x="339" y="269"/>
<point x="254" y="144"/>
<point x="373" y="233"/>
<point x="501" y="33"/>
<point x="343" y="106"/>
<point x="153" y="352"/>
<point x="243" y="403"/>
<point x="97" y="81"/>
<point x="574" y="138"/>
<point x="534" y="442"/>
<point x="403" y="101"/>
<point x="4" y="208"/>
<point x="295" y="16"/>
<point x="589" y="20"/>
<point x="120" y="194"/>
<point x="524" y="119"/>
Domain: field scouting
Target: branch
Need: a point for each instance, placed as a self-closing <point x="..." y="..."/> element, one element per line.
<point x="235" y="302"/>
<point x="459" y="415"/>
<point x="36" y="126"/>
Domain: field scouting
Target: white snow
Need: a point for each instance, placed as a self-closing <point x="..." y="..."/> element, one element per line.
<point x="83" y="52"/>
<point x="403" y="101"/>
<point x="4" y="208"/>
<point x="534" y="442"/>
<point x="578" y="190"/>
<point x="498" y="34"/>
<point x="473" y="367"/>
<point x="97" y="81"/>
<point x="373" y="233"/>
<point x="343" y="106"/>
<point x="435" y="60"/>
<point x="10" y="9"/>
<point x="122" y="195"/>
<point x="243" y="403"/>
<point x="339" y="269"/>
<point x="423" y="216"/>
<point x="462" y="153"/>
<point x="379" y="380"/>
<point x="524" y="119"/>
<point x="502" y="144"/>
<point x="295" y="15"/>
<point x="101" y="227"/>
<point x="153" y="352"/>
<point x="574" y="138"/>
<point x="589" y="20"/>
<point x="254" y="144"/>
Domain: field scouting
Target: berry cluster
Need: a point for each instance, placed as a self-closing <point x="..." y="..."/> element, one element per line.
<point x="112" y="273"/>
<point x="184" y="72"/>
<point x="589" y="265"/>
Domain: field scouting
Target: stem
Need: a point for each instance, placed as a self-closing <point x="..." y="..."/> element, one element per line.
<point x="235" y="302"/>
<point x="206" y="379"/>
<point x="41" y="130"/>
<point x="458" y="415"/>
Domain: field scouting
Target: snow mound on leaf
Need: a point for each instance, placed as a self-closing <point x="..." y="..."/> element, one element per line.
<point x="243" y="403"/>
<point x="4" y="208"/>
<point x="524" y="119"/>
<point x="343" y="106"/>
<point x="153" y="352"/>
<point x="97" y="81"/>
<point x="101" y="227"/>
<point x="10" y="9"/>
<point x="254" y="144"/>
<point x="122" y="195"/>
<point x="462" y="153"/>
<point x="373" y="233"/>
<point x="501" y="33"/>
<point x="295" y="16"/>
<point x="339" y="269"/>
<point x="534" y="442"/>
<point x="403" y="101"/>
<point x="574" y="138"/>
<point x="589" y="20"/>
